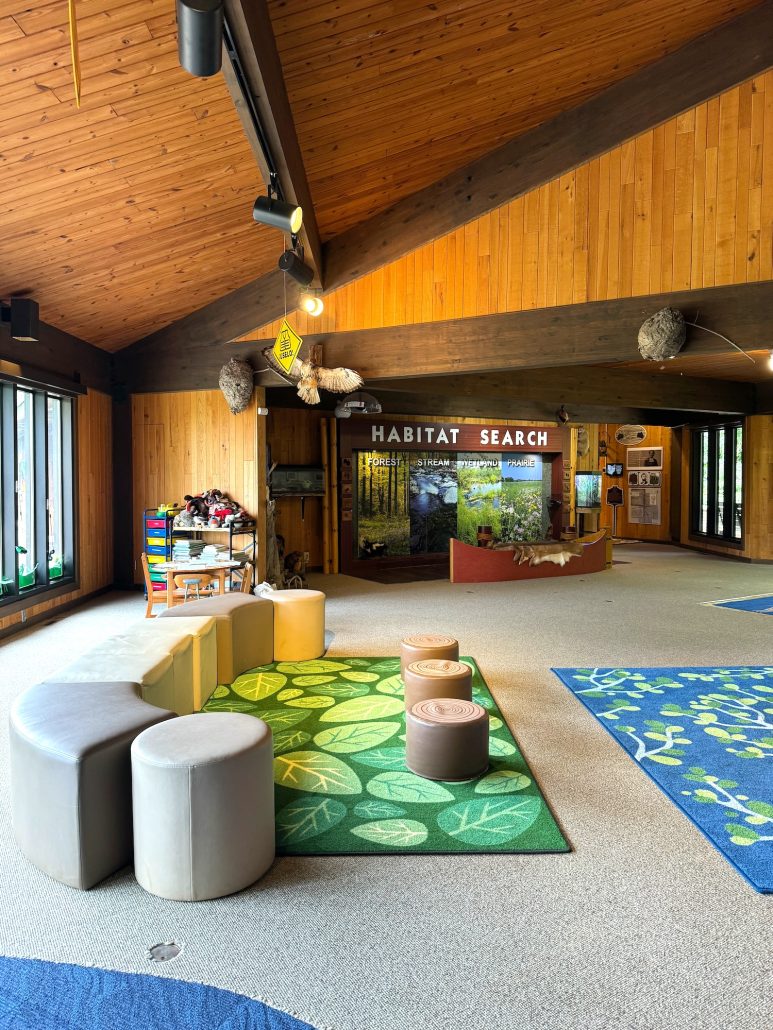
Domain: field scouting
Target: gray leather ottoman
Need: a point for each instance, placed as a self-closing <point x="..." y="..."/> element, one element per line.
<point x="245" y="630"/>
<point x="71" y="776"/>
<point x="203" y="796"/>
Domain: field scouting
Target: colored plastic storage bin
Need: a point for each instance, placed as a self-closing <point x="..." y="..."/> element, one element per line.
<point x="156" y="532"/>
<point x="153" y="547"/>
<point x="154" y="559"/>
<point x="155" y="524"/>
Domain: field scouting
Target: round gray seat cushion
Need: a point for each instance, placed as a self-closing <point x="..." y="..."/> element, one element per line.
<point x="203" y="790"/>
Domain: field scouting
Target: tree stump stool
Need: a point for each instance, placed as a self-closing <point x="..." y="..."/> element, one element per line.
<point x="427" y="645"/>
<point x="436" y="677"/>
<point x="446" y="739"/>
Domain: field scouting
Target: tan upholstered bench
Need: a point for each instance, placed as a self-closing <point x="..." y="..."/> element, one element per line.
<point x="244" y="627"/>
<point x="71" y="776"/>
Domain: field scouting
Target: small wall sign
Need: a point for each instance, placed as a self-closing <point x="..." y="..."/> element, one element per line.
<point x="630" y="434"/>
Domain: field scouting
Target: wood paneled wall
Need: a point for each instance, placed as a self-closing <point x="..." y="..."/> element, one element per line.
<point x="94" y="477"/>
<point x="686" y="205"/>
<point x="294" y="439"/>
<point x="757" y="495"/>
<point x="183" y="443"/>
<point x="657" y="436"/>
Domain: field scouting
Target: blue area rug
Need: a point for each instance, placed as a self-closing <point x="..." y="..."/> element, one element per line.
<point x="705" y="736"/>
<point x="762" y="605"/>
<point x="37" y="995"/>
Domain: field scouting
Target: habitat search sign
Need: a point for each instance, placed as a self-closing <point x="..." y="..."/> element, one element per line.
<point x="373" y="435"/>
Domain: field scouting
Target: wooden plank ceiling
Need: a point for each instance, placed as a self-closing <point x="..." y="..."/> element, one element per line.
<point x="134" y="211"/>
<point x="391" y="96"/>
<point x="131" y="212"/>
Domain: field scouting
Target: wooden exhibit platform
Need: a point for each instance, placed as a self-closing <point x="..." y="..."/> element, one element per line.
<point x="481" y="565"/>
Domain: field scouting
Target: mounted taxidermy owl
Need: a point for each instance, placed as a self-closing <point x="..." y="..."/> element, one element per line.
<point x="311" y="377"/>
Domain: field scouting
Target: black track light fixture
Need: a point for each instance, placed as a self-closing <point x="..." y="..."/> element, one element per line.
<point x="279" y="214"/>
<point x="23" y="315"/>
<point x="292" y="262"/>
<point x="200" y="36"/>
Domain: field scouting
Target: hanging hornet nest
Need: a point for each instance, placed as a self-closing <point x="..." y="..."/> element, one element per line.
<point x="310" y="377"/>
<point x="236" y="381"/>
<point x="662" y="335"/>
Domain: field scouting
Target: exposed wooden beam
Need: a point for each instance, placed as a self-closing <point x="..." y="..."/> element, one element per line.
<point x="583" y="385"/>
<point x="202" y="336"/>
<point x="701" y="69"/>
<point x="62" y="354"/>
<point x="394" y="403"/>
<point x="576" y="334"/>
<point x="253" y="36"/>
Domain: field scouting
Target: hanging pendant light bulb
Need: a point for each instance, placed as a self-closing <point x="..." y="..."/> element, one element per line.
<point x="312" y="304"/>
<point x="770" y="361"/>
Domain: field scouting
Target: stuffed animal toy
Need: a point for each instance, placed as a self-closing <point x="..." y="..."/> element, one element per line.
<point x="196" y="505"/>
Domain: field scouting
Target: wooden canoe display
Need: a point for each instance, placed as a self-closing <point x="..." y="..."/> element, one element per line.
<point x="483" y="565"/>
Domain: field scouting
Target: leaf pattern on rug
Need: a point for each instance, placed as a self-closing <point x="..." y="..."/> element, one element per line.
<point x="341" y="782"/>
<point x="705" y="735"/>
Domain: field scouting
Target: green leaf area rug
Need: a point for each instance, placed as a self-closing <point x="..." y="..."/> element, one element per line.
<point x="342" y="786"/>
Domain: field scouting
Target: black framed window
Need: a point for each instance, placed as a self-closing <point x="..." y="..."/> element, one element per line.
<point x="37" y="503"/>
<point x="716" y="497"/>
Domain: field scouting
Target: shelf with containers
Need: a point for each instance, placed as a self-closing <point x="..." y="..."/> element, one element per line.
<point x="157" y="536"/>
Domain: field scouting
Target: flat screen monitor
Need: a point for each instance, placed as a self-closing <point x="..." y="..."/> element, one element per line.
<point x="587" y="487"/>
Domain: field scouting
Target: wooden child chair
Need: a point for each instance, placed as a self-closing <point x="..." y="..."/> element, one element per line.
<point x="194" y="585"/>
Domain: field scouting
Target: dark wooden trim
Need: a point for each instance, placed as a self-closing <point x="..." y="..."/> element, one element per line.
<point x="764" y="398"/>
<point x="394" y="403"/>
<point x="255" y="44"/>
<point x="701" y="69"/>
<point x="73" y="363"/>
<point x="587" y="385"/>
<point x="123" y="502"/>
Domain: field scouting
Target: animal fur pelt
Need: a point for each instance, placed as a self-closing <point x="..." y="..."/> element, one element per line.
<point x="310" y="378"/>
<point x="559" y="553"/>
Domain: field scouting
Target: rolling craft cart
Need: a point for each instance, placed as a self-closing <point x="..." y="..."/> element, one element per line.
<point x="157" y="539"/>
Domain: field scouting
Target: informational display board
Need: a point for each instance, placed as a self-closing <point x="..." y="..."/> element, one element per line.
<point x="413" y="502"/>
<point x="644" y="507"/>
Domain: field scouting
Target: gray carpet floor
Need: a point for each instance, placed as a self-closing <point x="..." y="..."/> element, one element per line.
<point x="643" y="927"/>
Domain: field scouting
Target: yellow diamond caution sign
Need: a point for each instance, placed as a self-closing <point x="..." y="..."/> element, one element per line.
<point x="287" y="345"/>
